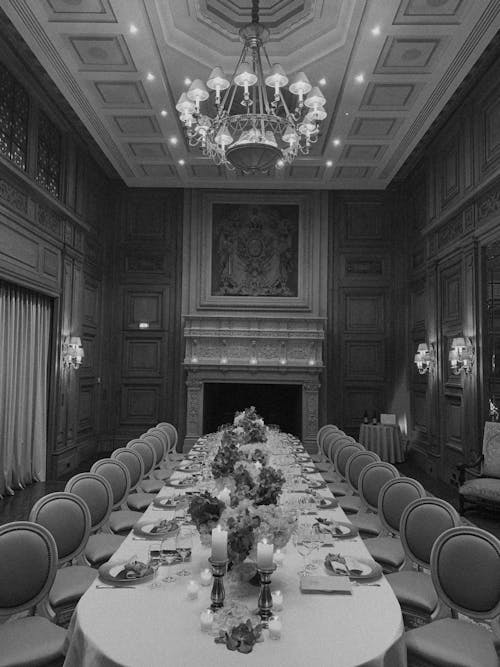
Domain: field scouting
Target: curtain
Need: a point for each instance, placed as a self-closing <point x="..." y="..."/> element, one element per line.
<point x="25" y="319"/>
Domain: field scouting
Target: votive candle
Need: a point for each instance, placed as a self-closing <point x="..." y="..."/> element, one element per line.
<point x="265" y="555"/>
<point x="275" y="627"/>
<point x="206" y="577"/>
<point x="219" y="545"/>
<point x="192" y="590"/>
<point x="279" y="557"/>
<point x="206" y="620"/>
<point x="277" y="600"/>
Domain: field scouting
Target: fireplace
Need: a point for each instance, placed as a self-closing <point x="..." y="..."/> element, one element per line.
<point x="276" y="403"/>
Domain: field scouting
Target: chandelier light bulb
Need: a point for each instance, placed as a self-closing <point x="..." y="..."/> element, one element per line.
<point x="217" y="81"/>
<point x="300" y="86"/>
<point x="245" y="76"/>
<point x="223" y="137"/>
<point x="276" y="79"/>
<point x="315" y="99"/>
<point x="197" y="93"/>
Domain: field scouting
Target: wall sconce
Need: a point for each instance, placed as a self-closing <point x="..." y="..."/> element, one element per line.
<point x="72" y="352"/>
<point x="461" y="355"/>
<point x="425" y="359"/>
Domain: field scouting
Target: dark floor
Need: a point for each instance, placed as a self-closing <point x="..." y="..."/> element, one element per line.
<point x="17" y="507"/>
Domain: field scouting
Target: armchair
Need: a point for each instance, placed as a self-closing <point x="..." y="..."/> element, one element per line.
<point x="483" y="489"/>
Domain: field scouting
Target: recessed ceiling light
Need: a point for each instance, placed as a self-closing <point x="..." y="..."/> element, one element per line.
<point x="280" y="164"/>
<point x="336" y="142"/>
<point x="187" y="81"/>
<point x="182" y="162"/>
<point x="163" y="112"/>
<point x="174" y="140"/>
<point x="322" y="82"/>
<point x="359" y="78"/>
<point x="150" y="76"/>
<point x="329" y="163"/>
<point x="346" y="113"/>
<point x="133" y="29"/>
<point x="376" y="31"/>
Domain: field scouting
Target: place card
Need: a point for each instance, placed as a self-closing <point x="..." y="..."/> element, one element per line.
<point x="321" y="584"/>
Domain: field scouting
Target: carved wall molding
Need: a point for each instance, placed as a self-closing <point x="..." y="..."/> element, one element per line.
<point x="13" y="197"/>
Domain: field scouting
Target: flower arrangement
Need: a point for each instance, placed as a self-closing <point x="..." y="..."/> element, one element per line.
<point x="225" y="460"/>
<point x="205" y="512"/>
<point x="253" y="426"/>
<point x="241" y="637"/>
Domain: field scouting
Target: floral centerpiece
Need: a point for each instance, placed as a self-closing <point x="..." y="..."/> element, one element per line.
<point x="248" y="508"/>
<point x="250" y="425"/>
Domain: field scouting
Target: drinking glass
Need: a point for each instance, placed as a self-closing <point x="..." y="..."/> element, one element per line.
<point x="169" y="555"/>
<point x="184" y="544"/>
<point x="154" y="561"/>
<point x="303" y="546"/>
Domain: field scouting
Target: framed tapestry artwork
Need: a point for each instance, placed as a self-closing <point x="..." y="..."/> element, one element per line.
<point x="254" y="250"/>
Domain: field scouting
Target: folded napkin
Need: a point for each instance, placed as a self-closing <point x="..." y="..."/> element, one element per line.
<point x="321" y="584"/>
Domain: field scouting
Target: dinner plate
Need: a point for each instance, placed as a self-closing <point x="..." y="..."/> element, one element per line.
<point x="113" y="573"/>
<point x="309" y="470"/>
<point x="180" y="483"/>
<point x="153" y="530"/>
<point x="355" y="568"/>
<point x="338" y="529"/>
<point x="166" y="502"/>
<point x="316" y="484"/>
<point x="327" y="503"/>
<point x="189" y="467"/>
<point x="303" y="457"/>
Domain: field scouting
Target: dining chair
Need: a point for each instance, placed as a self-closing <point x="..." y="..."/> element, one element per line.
<point x="351" y="503"/>
<point x="322" y="464"/>
<point x="121" y="519"/>
<point x="148" y="455"/>
<point x="465" y="570"/>
<point x="393" y="499"/>
<point x="421" y="523"/>
<point x="173" y="455"/>
<point x="96" y="491"/>
<point x="137" y="499"/>
<point x="67" y="517"/>
<point x="162" y="470"/>
<point x="344" y="449"/>
<point x="371" y="480"/>
<point x="28" y="566"/>
<point x="479" y="481"/>
<point x="159" y="442"/>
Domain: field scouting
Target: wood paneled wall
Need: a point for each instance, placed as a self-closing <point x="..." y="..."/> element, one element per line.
<point x="453" y="205"/>
<point x="144" y="365"/>
<point x="361" y="328"/>
<point x="51" y="240"/>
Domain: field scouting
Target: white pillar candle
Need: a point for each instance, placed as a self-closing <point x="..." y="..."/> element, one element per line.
<point x="206" y="620"/>
<point x="219" y="544"/>
<point x="275" y="627"/>
<point x="206" y="577"/>
<point x="192" y="590"/>
<point x="225" y="496"/>
<point x="265" y="555"/>
<point x="277" y="600"/>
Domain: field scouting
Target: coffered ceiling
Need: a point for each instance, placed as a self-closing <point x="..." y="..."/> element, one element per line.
<point x="386" y="67"/>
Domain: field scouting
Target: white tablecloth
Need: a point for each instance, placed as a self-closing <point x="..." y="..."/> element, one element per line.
<point x="145" y="627"/>
<point x="385" y="440"/>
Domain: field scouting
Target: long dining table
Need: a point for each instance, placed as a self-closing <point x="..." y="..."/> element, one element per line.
<point x="141" y="626"/>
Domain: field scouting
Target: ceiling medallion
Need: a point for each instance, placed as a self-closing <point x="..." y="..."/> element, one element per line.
<point x="251" y="128"/>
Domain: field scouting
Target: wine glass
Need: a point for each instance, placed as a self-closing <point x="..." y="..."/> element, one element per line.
<point x="303" y="546"/>
<point x="184" y="544"/>
<point x="169" y="555"/>
<point x="154" y="560"/>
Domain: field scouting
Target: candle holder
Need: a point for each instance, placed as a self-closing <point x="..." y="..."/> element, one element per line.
<point x="265" y="598"/>
<point x="218" y="594"/>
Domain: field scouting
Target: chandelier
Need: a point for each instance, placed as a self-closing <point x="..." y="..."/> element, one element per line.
<point x="252" y="124"/>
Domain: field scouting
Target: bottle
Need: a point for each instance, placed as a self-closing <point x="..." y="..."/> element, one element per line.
<point x="365" y="417"/>
<point x="374" y="418"/>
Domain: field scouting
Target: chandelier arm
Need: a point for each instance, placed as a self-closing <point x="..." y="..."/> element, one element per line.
<point x="261" y="84"/>
<point x="232" y="84"/>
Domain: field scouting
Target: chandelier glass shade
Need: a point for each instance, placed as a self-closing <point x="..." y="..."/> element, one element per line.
<point x="251" y="121"/>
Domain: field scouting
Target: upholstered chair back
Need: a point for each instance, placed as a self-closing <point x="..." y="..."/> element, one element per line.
<point x="133" y="461"/>
<point x="172" y="434"/>
<point x="394" y="498"/>
<point x="343" y="454"/>
<point x="371" y="480"/>
<point x="355" y="464"/>
<point x="67" y="517"/>
<point x="157" y="444"/>
<point x="117" y="475"/>
<point x="422" y="522"/>
<point x="28" y="565"/>
<point x="160" y="434"/>
<point x="491" y="450"/>
<point x="146" y="452"/>
<point x="323" y="433"/>
<point x="465" y="570"/>
<point x="96" y="491"/>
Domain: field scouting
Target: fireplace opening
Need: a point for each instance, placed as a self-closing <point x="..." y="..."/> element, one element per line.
<point x="279" y="404"/>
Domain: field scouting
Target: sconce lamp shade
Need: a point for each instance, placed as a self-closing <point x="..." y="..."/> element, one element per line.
<point x="73" y="352"/>
<point x="424" y="358"/>
<point x="461" y="355"/>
